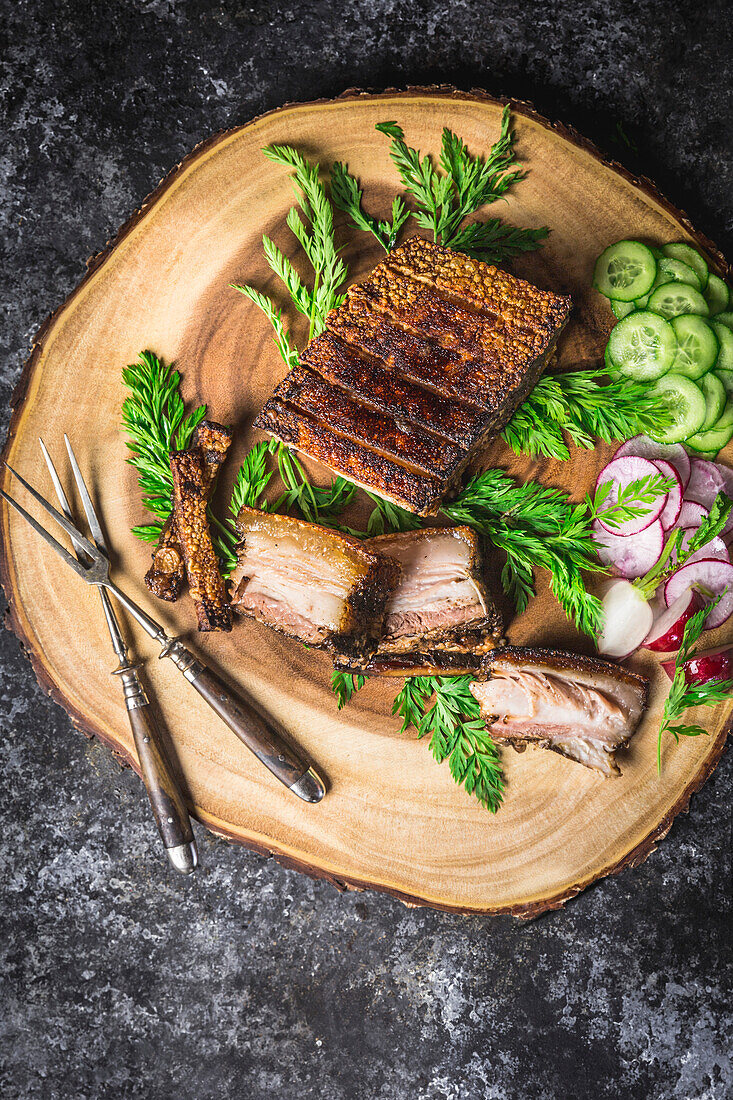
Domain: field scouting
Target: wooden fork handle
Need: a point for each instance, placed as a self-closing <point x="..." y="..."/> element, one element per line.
<point x="166" y="800"/>
<point x="258" y="733"/>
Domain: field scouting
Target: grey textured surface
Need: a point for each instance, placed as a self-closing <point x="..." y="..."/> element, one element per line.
<point x="250" y="981"/>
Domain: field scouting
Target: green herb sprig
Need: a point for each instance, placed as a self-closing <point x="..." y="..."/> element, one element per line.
<point x="673" y="557"/>
<point x="315" y="234"/>
<point x="155" y="419"/>
<point x="444" y="709"/>
<point x="441" y="202"/>
<point x="536" y="527"/>
<point x="584" y="405"/>
<point x="632" y="500"/>
<point x="683" y="695"/>
<point x="345" y="684"/>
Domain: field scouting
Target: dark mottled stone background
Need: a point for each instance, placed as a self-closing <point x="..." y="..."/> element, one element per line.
<point x="121" y="980"/>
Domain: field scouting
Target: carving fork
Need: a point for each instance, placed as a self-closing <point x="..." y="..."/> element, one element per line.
<point x="166" y="800"/>
<point x="270" y="747"/>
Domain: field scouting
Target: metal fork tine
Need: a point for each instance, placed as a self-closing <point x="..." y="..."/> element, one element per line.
<point x="62" y="521"/>
<point x="94" y="525"/>
<point x="68" y="558"/>
<point x="63" y="499"/>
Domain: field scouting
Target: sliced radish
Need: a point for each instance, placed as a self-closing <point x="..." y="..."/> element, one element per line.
<point x="641" y="446"/>
<point x="711" y="575"/>
<point x="691" y="514"/>
<point x="671" y="511"/>
<point x="622" y="471"/>
<point x="705" y="482"/>
<point x="630" y="557"/>
<point x="716" y="664"/>
<point x="715" y="548"/>
<point x="707" y="479"/>
<point x="627" y="619"/>
<point x="666" y="633"/>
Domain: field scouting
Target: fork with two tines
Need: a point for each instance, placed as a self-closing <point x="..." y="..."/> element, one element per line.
<point x="253" y="728"/>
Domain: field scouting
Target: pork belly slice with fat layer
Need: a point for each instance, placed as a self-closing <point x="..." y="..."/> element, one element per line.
<point x="440" y="605"/>
<point x="311" y="583"/>
<point x="428" y="332"/>
<point x="581" y="707"/>
<point x="441" y="590"/>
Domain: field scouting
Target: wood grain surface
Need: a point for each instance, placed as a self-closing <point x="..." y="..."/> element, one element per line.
<point x="393" y="820"/>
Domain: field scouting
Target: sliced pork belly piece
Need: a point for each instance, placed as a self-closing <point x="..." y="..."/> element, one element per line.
<point x="581" y="707"/>
<point x="428" y="333"/>
<point x="311" y="583"/>
<point x="441" y="591"/>
<point x="440" y="615"/>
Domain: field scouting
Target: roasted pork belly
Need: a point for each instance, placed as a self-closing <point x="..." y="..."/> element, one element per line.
<point x="441" y="590"/>
<point x="581" y="707"/>
<point x="423" y="362"/>
<point x="440" y="605"/>
<point x="311" y="583"/>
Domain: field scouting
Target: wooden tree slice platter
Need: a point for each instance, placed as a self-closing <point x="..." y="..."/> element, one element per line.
<point x="393" y="820"/>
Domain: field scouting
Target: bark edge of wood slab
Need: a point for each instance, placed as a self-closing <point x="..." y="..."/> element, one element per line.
<point x="393" y="822"/>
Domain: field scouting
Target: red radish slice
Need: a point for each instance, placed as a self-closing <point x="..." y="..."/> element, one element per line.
<point x="668" y="518"/>
<point x="716" y="664"/>
<point x="666" y="633"/>
<point x="715" y="548"/>
<point x="622" y="471"/>
<point x="705" y="482"/>
<point x="707" y="479"/>
<point x="630" y="557"/>
<point x="691" y="514"/>
<point x="626" y="619"/>
<point x="641" y="446"/>
<point x="711" y="574"/>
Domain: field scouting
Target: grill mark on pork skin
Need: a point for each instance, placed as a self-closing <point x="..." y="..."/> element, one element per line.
<point x="409" y="488"/>
<point x="591" y="707"/>
<point x="190" y="488"/>
<point x="432" y="327"/>
<point x="348" y="624"/>
<point x="360" y="374"/>
<point x="166" y="575"/>
<point x="403" y="440"/>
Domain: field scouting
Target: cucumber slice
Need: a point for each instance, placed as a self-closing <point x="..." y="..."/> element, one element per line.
<point x="716" y="294"/>
<point x="686" y="403"/>
<point x="674" y="299"/>
<point x="725" y="339"/>
<point x="675" y="271"/>
<point x="713" y="440"/>
<point x="621" y="309"/>
<point x="715" y="396"/>
<point x="710" y="455"/>
<point x="725" y="319"/>
<point x="697" y="345"/>
<point x="641" y="303"/>
<point x="691" y="257"/>
<point x="643" y="346"/>
<point x="625" y="271"/>
<point x="725" y="420"/>
<point x="726" y="378"/>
